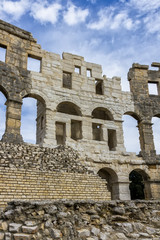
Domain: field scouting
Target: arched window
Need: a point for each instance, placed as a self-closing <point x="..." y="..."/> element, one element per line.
<point x="102" y="113"/>
<point x="156" y="132"/>
<point x="139" y="188"/>
<point x="76" y="125"/>
<point x="33" y="119"/>
<point x="2" y="113"/>
<point x="131" y="132"/>
<point x="69" y="108"/>
<point x="111" y="178"/>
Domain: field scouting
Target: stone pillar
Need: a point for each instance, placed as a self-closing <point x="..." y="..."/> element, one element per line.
<point x="146" y="140"/>
<point x="87" y="128"/>
<point x="68" y="131"/>
<point x="49" y="134"/>
<point x="124" y="192"/>
<point x="120" y="136"/>
<point x="155" y="189"/>
<point x="13" y="122"/>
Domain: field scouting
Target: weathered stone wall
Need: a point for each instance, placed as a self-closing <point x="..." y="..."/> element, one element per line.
<point x="88" y="114"/>
<point x="77" y="220"/>
<point x="40" y="185"/>
<point x="24" y="161"/>
<point x="36" y="173"/>
<point x="146" y="106"/>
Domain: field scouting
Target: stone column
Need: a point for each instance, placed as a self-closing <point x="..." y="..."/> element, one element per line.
<point x="49" y="134"/>
<point x="120" y="136"/>
<point x="68" y="131"/>
<point x="13" y="122"/>
<point x="146" y="139"/>
<point x="155" y="189"/>
<point x="87" y="128"/>
<point x="124" y="192"/>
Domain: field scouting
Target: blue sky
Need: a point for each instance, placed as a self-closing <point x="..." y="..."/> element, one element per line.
<point x="111" y="33"/>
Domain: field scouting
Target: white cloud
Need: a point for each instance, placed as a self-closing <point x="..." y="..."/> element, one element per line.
<point x="75" y="15"/>
<point x="122" y="19"/>
<point x="44" y="12"/>
<point x="145" y="5"/>
<point x="110" y="19"/>
<point x="14" y="9"/>
<point x="152" y="23"/>
<point x="92" y="1"/>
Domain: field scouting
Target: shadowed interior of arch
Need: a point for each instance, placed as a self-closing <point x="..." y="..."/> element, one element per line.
<point x="111" y="178"/>
<point x="136" y="185"/>
<point x="102" y="113"/>
<point x="69" y="108"/>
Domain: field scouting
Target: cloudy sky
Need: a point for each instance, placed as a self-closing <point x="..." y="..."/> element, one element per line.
<point x="113" y="33"/>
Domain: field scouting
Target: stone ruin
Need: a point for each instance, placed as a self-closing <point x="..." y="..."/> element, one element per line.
<point x="80" y="153"/>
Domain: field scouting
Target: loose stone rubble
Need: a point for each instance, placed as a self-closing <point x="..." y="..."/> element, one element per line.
<point x="77" y="220"/>
<point x="59" y="159"/>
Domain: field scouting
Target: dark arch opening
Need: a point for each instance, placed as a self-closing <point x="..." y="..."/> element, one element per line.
<point x="138" y="187"/>
<point x="102" y="113"/>
<point x="2" y="112"/>
<point x="69" y="108"/>
<point x="33" y="119"/>
<point x="112" y="181"/>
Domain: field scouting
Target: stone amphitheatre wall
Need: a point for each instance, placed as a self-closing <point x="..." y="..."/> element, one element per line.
<point x="78" y="220"/>
<point x="79" y="107"/>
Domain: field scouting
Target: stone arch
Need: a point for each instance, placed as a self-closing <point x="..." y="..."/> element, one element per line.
<point x="69" y="108"/>
<point x="37" y="123"/>
<point x="35" y="96"/>
<point x="112" y="181"/>
<point x="139" y="184"/>
<point x="102" y="113"/>
<point x="131" y="133"/>
<point x="4" y="91"/>
<point x="134" y="115"/>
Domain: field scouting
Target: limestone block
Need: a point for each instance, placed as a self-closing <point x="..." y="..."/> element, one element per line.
<point x="8" y="236"/>
<point x="21" y="236"/>
<point x="14" y="227"/>
<point x="3" y="226"/>
<point x="29" y="229"/>
<point x="83" y="233"/>
<point x="1" y="236"/>
<point x="56" y="233"/>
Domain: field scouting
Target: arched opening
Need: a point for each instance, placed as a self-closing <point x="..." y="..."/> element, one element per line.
<point x="33" y="119"/>
<point x="2" y="113"/>
<point x="112" y="181"/>
<point x="139" y="185"/>
<point x="156" y="132"/>
<point x="69" y="108"/>
<point x="76" y="124"/>
<point x="102" y="113"/>
<point x="131" y="132"/>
